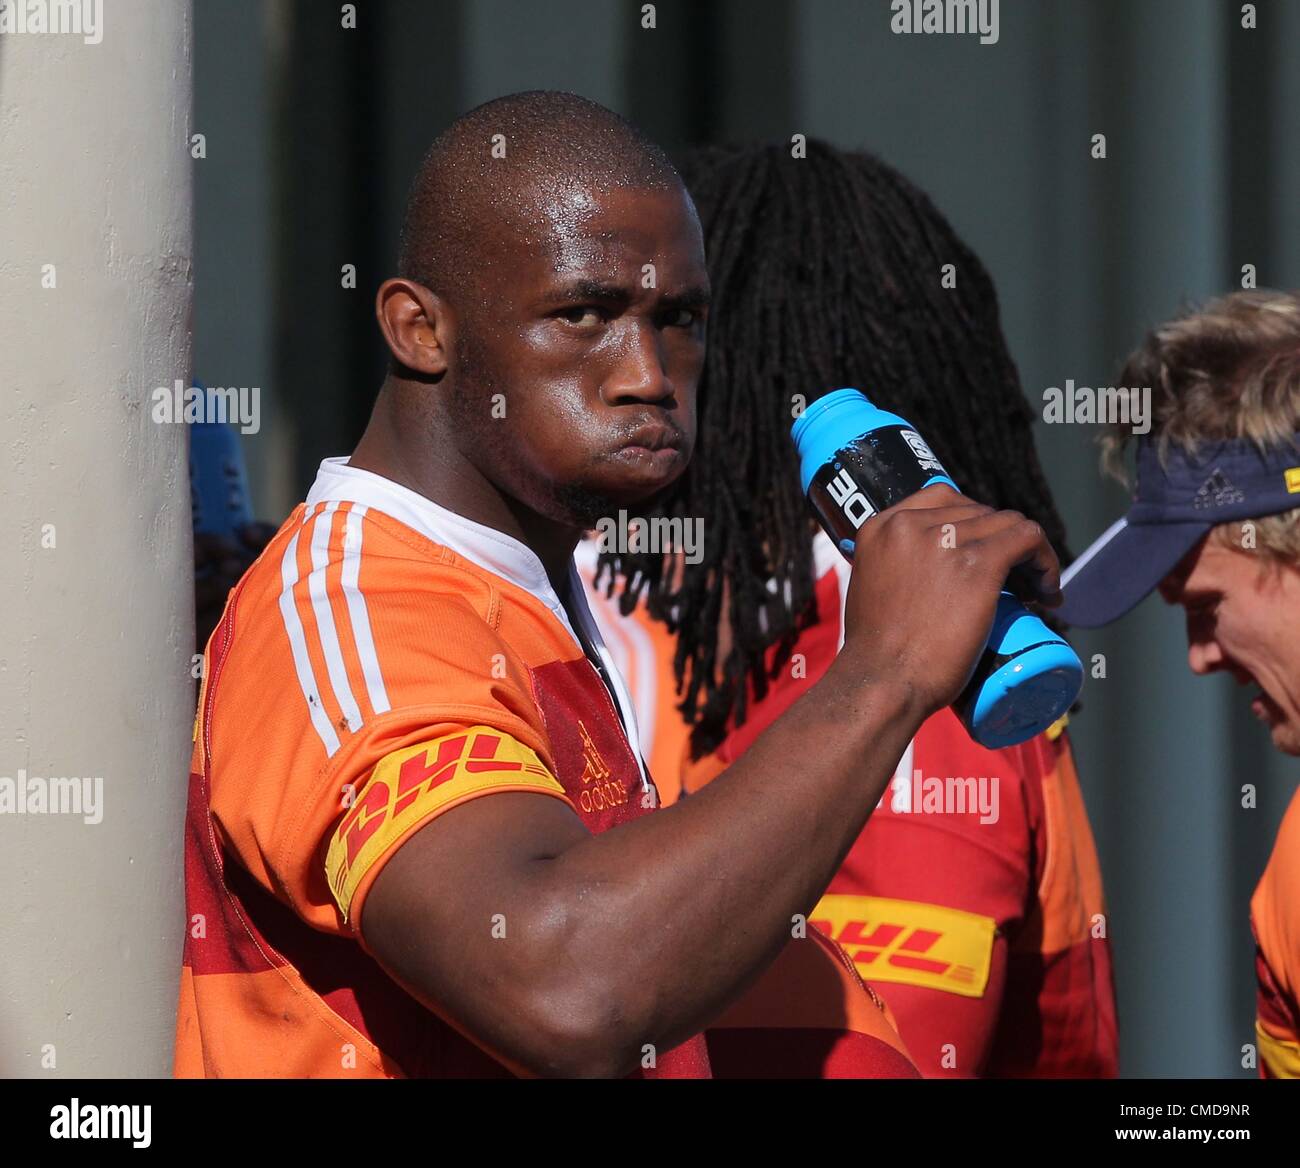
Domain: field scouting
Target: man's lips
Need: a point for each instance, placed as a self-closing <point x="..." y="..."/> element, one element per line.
<point x="656" y="448"/>
<point x="1261" y="705"/>
<point x="654" y="438"/>
<point x="658" y="462"/>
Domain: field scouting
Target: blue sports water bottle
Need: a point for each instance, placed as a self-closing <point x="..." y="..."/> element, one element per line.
<point x="856" y="459"/>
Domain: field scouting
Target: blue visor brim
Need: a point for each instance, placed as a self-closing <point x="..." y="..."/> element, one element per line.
<point x="1122" y="568"/>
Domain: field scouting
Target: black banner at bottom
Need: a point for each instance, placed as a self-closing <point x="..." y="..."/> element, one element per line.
<point x="296" y="1116"/>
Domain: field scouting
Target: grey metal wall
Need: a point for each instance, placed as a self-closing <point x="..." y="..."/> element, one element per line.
<point x="314" y="131"/>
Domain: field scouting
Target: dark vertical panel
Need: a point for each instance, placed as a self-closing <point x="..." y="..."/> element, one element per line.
<point x="1106" y="732"/>
<point x="1252" y="66"/>
<point x="1255" y="60"/>
<point x="576" y="45"/>
<point x="368" y="132"/>
<point x="756" y="83"/>
<point x="330" y="143"/>
<point x="1110" y="223"/>
<point x="233" y="225"/>
<point x="419" y="86"/>
<point x="713" y="70"/>
<point x="671" y="86"/>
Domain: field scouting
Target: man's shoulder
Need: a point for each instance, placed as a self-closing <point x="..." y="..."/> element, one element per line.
<point x="347" y="616"/>
<point x="332" y="565"/>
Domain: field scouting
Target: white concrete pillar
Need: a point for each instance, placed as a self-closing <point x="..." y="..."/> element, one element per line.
<point x="96" y="607"/>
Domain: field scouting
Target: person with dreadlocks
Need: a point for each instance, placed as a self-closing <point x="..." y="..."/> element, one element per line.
<point x="986" y="923"/>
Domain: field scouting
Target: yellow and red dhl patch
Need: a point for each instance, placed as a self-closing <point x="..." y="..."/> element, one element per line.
<point x="408" y="784"/>
<point x="907" y="941"/>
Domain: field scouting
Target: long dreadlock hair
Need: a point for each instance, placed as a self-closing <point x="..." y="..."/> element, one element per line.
<point x="826" y="272"/>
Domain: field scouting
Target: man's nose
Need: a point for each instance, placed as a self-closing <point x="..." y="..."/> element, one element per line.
<point x="639" y="374"/>
<point x="1203" y="654"/>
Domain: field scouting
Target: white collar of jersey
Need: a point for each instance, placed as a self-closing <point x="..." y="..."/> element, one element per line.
<point x="501" y="554"/>
<point x="485" y="546"/>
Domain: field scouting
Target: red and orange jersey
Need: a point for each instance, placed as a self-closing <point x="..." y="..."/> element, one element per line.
<point x="810" y="1016"/>
<point x="643" y="652"/>
<point x="1275" y="919"/>
<point x="383" y="661"/>
<point x="973" y="897"/>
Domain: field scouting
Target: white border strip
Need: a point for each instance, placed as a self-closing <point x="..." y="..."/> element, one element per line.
<point x="1100" y="542"/>
<point x="357" y="611"/>
<point x="324" y="613"/>
<point x="298" y="643"/>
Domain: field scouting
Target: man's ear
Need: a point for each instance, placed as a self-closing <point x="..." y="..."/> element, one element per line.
<point x="416" y="325"/>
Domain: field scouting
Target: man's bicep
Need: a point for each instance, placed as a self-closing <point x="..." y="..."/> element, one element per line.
<point x="451" y="913"/>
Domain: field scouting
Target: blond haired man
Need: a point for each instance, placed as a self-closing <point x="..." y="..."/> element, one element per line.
<point x="1215" y="525"/>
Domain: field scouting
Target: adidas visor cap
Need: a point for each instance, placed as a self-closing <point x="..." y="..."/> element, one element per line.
<point x="1174" y="505"/>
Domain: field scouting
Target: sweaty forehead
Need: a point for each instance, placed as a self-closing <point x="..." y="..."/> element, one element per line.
<point x="553" y="230"/>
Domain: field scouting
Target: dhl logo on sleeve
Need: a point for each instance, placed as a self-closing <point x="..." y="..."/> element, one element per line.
<point x="408" y="785"/>
<point x="906" y="941"/>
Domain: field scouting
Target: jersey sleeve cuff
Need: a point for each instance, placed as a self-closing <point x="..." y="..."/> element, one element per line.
<point x="409" y="787"/>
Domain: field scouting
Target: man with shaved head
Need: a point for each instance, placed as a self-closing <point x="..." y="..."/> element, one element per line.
<point x="421" y="837"/>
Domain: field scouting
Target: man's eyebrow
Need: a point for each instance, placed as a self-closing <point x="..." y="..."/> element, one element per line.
<point x="1190" y="598"/>
<point x="585" y="291"/>
<point x="692" y="296"/>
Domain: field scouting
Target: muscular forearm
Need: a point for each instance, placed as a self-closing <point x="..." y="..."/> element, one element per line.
<point x="677" y="912"/>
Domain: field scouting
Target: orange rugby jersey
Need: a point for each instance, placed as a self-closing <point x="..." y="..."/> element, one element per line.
<point x="989" y="939"/>
<point x="1275" y="919"/>
<point x="383" y="661"/>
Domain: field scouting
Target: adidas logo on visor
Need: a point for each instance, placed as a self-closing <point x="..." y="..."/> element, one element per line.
<point x="1217" y="491"/>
